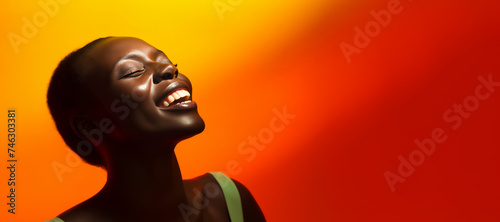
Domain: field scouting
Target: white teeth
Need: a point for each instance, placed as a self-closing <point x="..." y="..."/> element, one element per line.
<point x="170" y="99"/>
<point x="184" y="93"/>
<point x="181" y="93"/>
<point x="176" y="96"/>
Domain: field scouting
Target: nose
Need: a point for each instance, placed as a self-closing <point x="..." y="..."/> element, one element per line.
<point x="165" y="72"/>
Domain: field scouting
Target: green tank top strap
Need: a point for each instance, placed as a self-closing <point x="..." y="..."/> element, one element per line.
<point x="232" y="196"/>
<point x="57" y="219"/>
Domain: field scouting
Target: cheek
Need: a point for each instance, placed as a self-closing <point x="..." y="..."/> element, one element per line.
<point x="132" y="91"/>
<point x="129" y="97"/>
<point x="140" y="93"/>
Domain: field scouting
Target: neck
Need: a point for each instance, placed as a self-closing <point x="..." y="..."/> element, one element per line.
<point x="145" y="182"/>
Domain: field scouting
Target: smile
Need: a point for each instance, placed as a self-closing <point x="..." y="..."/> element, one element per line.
<point x="180" y="96"/>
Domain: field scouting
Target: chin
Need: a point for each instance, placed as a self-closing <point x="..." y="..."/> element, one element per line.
<point x="185" y="128"/>
<point x="193" y="128"/>
<point x="171" y="128"/>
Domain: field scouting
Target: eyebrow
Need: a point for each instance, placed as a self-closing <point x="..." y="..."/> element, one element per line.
<point x="134" y="55"/>
<point x="128" y="56"/>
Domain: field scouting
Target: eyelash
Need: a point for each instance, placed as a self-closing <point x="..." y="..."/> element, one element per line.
<point x="133" y="72"/>
<point x="142" y="70"/>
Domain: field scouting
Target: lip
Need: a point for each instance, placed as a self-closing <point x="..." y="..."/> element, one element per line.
<point x="180" y="106"/>
<point x="172" y="87"/>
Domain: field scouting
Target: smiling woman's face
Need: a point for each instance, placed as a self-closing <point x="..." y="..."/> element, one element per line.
<point x="138" y="88"/>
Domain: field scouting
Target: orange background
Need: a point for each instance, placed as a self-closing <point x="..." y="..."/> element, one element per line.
<point x="353" y="119"/>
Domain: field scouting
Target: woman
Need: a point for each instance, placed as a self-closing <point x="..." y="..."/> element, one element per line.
<point x="121" y="104"/>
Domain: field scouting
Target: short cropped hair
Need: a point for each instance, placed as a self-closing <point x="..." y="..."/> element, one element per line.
<point x="64" y="96"/>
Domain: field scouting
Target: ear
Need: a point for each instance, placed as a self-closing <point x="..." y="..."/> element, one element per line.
<point x="82" y="125"/>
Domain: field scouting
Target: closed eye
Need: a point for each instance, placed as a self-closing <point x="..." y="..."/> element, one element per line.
<point x="133" y="73"/>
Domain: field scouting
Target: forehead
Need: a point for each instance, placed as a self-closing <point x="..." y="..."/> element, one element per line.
<point x="107" y="52"/>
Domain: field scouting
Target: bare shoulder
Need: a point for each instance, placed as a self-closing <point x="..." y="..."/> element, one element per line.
<point x="205" y="200"/>
<point x="209" y="191"/>
<point x="204" y="187"/>
<point x="81" y="213"/>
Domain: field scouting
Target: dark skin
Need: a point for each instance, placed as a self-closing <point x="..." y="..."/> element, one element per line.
<point x="144" y="182"/>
